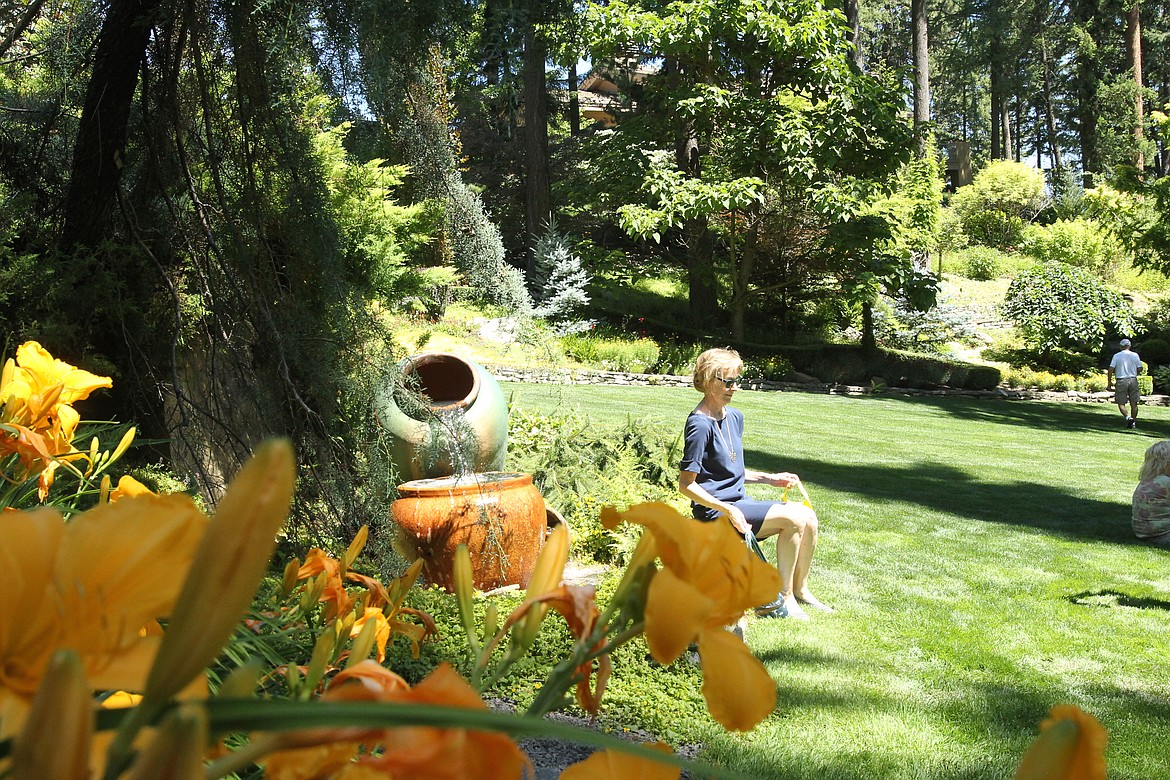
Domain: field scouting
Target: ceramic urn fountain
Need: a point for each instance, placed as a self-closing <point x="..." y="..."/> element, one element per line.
<point x="448" y="429"/>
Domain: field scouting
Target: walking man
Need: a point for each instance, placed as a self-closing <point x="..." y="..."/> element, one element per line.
<point x="1123" y="373"/>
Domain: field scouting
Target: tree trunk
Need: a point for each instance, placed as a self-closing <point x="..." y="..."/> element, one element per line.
<point x="921" y="77"/>
<point x="1049" y="112"/>
<point x="537" y="186"/>
<point x="1005" y="121"/>
<point x="996" y="152"/>
<point x="853" y="19"/>
<point x="1084" y="12"/>
<point x="574" y="101"/>
<point x="743" y="264"/>
<point x="868" y="341"/>
<point x="702" y="290"/>
<point x="101" y="134"/>
<point x="1133" y="39"/>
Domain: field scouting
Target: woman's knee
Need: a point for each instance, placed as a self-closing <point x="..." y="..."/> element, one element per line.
<point x="785" y="517"/>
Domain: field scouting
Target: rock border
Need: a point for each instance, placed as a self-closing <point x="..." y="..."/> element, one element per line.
<point x="574" y="376"/>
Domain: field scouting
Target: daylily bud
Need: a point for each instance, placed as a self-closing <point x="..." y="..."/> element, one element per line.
<point x="56" y="736"/>
<point x="356" y="546"/>
<point x="229" y="563"/>
<point x="242" y="681"/>
<point x="124" y="444"/>
<point x="363" y="645"/>
<point x="289" y="580"/>
<point x="292" y="674"/>
<point x="104" y="498"/>
<point x="491" y="621"/>
<point x="312" y="594"/>
<point x="176" y="752"/>
<point x="464" y="595"/>
<point x="93" y="451"/>
<point x="546" y="575"/>
<point x="319" y="661"/>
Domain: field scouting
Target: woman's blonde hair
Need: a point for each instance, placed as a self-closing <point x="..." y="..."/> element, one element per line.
<point x="1157" y="462"/>
<point x="712" y="363"/>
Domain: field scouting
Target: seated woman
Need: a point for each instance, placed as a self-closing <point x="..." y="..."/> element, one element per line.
<point x="1151" y="499"/>
<point x="712" y="475"/>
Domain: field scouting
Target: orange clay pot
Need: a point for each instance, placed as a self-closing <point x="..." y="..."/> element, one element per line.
<point x="499" y="516"/>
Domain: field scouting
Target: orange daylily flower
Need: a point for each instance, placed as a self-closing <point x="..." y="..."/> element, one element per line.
<point x="381" y="629"/>
<point x="616" y="765"/>
<point x="407" y="752"/>
<point x="382" y="605"/>
<point x="577" y="604"/>
<point x="338" y="602"/>
<point x="1071" y="746"/>
<point x="91" y="586"/>
<point x="709" y="578"/>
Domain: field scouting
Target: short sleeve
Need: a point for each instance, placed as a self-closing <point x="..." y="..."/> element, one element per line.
<point x="696" y="436"/>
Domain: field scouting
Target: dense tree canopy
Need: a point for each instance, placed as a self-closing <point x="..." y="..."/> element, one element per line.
<point x="212" y="202"/>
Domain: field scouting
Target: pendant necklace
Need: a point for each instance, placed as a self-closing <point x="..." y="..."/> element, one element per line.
<point x="723" y="438"/>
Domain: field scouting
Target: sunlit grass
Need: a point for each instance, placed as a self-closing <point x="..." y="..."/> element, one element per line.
<point x="980" y="557"/>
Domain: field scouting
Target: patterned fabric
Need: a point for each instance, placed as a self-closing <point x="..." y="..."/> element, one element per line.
<point x="1151" y="510"/>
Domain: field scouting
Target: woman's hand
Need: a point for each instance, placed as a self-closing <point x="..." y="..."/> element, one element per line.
<point x="783" y="479"/>
<point x="740" y="523"/>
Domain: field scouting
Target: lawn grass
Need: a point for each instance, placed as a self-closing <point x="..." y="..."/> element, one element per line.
<point x="981" y="561"/>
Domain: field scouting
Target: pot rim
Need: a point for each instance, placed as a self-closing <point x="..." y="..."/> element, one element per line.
<point x="412" y="364"/>
<point x="480" y="482"/>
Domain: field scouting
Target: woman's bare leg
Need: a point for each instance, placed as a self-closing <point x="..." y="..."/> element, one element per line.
<point x="788" y="523"/>
<point x="808" y="545"/>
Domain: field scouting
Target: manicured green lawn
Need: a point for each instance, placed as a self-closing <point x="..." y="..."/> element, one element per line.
<point x="980" y="558"/>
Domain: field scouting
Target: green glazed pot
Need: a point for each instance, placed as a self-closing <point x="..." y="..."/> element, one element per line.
<point x="455" y="421"/>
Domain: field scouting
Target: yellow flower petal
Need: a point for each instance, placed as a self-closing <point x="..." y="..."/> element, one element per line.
<point x="131" y="555"/>
<point x="128" y="487"/>
<point x="675" y="613"/>
<point x="47" y="370"/>
<point x="1071" y="746"/>
<point x="738" y="689"/>
<point x="616" y="765"/>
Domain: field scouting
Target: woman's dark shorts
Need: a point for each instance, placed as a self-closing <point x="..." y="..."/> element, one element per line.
<point x="753" y="511"/>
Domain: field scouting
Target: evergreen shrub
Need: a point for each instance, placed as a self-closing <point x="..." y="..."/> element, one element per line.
<point x="580" y="467"/>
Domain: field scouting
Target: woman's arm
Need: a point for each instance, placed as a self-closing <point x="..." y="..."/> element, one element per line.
<point x="695" y="492"/>
<point x="779" y="479"/>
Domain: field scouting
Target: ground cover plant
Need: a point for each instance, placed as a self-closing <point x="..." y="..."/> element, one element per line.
<point x="980" y="557"/>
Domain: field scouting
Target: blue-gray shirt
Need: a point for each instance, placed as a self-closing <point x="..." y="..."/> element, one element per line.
<point x="705" y="452"/>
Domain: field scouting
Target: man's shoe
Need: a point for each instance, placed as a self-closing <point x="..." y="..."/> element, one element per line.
<point x="773" y="609"/>
<point x="1131" y="422"/>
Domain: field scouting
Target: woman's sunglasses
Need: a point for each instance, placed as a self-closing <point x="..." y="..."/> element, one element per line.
<point x="729" y="383"/>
